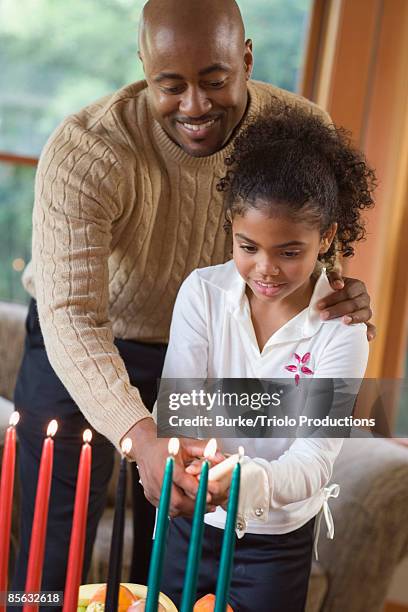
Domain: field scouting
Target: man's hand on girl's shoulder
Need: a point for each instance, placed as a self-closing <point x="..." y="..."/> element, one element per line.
<point x="350" y="301"/>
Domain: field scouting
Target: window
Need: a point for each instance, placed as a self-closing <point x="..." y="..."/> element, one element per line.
<point x="59" y="56"/>
<point x="16" y="200"/>
<point x="401" y="426"/>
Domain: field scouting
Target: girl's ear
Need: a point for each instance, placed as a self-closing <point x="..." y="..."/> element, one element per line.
<point x="327" y="238"/>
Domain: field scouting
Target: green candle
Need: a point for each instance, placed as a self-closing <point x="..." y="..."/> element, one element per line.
<point x="162" y="523"/>
<point x="228" y="543"/>
<point x="194" y="550"/>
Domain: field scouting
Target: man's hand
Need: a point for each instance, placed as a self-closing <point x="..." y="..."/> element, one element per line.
<point x="350" y="301"/>
<point x="151" y="453"/>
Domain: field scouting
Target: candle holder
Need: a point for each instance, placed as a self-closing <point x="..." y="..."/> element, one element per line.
<point x="141" y="592"/>
<point x="87" y="591"/>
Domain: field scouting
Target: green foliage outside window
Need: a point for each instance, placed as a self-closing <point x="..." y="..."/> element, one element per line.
<point x="16" y="197"/>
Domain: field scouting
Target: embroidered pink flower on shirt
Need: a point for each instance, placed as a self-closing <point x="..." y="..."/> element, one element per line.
<point x="300" y="366"/>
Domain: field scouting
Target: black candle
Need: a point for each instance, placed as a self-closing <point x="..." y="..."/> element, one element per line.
<point x="116" y="549"/>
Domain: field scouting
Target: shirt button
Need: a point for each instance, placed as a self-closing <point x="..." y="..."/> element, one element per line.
<point x="240" y="526"/>
<point x="259" y="512"/>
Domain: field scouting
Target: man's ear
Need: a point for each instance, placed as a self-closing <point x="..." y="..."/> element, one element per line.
<point x="327" y="238"/>
<point x="248" y="58"/>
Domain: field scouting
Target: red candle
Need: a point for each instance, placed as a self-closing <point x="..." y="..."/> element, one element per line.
<point x="6" y="500"/>
<point x="39" y="528"/>
<point x="78" y="532"/>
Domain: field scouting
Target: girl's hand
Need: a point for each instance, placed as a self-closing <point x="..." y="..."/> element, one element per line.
<point x="195" y="467"/>
<point x="219" y="489"/>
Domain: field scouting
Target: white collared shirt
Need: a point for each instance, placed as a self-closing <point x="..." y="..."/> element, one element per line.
<point x="283" y="480"/>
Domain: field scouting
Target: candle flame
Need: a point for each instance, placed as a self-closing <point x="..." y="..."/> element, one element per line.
<point x="241" y="451"/>
<point x="210" y="449"/>
<point x="52" y="428"/>
<point x="126" y="446"/>
<point x="174" y="446"/>
<point x="14" y="419"/>
<point x="87" y="436"/>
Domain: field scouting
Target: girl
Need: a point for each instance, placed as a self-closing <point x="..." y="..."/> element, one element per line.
<point x="294" y="191"/>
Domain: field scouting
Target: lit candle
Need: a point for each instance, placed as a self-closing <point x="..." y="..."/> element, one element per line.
<point x="194" y="550"/>
<point x="162" y="523"/>
<point x="6" y="500"/>
<point x="78" y="531"/>
<point x="228" y="542"/>
<point x="217" y="472"/>
<point x="39" y="528"/>
<point x="116" y="549"/>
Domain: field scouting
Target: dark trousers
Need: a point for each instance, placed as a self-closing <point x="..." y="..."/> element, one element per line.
<point x="270" y="572"/>
<point x="40" y="397"/>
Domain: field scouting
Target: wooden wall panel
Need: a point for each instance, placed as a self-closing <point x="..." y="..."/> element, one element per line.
<point x="359" y="73"/>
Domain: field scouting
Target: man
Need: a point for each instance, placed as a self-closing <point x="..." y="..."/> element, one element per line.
<point x="126" y="206"/>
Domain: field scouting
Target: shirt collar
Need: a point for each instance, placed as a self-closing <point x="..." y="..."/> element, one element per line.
<point x="303" y="325"/>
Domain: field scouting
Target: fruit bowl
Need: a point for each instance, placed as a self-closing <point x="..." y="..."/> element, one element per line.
<point x="87" y="592"/>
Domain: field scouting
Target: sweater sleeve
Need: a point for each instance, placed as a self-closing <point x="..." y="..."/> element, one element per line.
<point x="306" y="467"/>
<point x="80" y="193"/>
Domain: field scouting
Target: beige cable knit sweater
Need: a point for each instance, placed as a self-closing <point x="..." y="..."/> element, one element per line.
<point x="122" y="215"/>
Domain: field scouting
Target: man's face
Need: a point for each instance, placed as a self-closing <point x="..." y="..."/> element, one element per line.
<point x="198" y="88"/>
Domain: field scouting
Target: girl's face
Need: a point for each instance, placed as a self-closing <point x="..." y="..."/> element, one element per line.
<point x="274" y="255"/>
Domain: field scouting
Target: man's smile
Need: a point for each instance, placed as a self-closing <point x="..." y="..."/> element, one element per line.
<point x="197" y="129"/>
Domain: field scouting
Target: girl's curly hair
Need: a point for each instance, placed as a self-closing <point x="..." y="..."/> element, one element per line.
<point x="288" y="161"/>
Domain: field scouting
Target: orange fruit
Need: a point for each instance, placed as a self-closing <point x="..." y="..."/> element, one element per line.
<point x="207" y="603"/>
<point x="126" y="597"/>
<point x="140" y="605"/>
